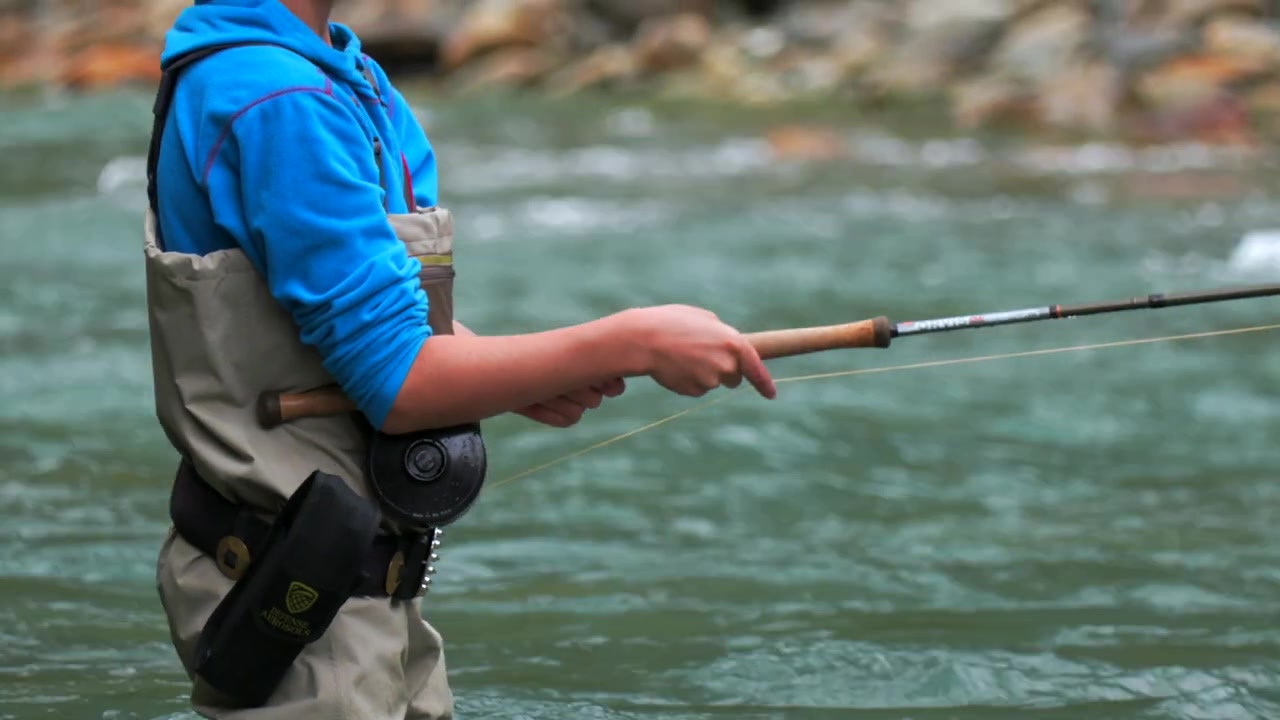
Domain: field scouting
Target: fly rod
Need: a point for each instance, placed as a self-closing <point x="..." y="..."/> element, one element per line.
<point x="878" y="332"/>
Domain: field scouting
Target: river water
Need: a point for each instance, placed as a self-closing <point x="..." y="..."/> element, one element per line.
<point x="1088" y="534"/>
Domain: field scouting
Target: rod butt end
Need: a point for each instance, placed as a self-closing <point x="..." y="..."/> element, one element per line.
<point x="269" y="410"/>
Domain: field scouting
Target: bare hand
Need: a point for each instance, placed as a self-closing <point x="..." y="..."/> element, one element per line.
<point x="691" y="352"/>
<point x="567" y="410"/>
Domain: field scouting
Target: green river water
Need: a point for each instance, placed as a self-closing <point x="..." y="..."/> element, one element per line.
<point x="1081" y="535"/>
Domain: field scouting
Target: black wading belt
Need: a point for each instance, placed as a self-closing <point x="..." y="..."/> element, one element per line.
<point x="233" y="535"/>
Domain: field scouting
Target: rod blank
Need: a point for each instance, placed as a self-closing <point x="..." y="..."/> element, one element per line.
<point x="1055" y="312"/>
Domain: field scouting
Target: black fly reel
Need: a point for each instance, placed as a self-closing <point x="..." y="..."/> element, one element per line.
<point x="429" y="478"/>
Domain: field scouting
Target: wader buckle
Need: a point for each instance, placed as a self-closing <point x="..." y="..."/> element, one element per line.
<point x="409" y="571"/>
<point x="232" y="557"/>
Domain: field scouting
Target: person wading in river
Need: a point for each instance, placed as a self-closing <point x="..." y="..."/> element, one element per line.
<point x="294" y="242"/>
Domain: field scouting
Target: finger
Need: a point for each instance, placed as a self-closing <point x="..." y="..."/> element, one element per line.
<point x="754" y="370"/>
<point x="707" y="382"/>
<point x="589" y="398"/>
<point x="612" y="388"/>
<point x="691" y="386"/>
<point x="731" y="380"/>
<point x="546" y="416"/>
<point x="570" y="409"/>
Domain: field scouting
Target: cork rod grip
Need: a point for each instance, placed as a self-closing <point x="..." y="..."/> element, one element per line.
<point x="278" y="408"/>
<point x="802" y="341"/>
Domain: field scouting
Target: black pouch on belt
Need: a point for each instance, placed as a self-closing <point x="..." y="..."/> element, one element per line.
<point x="308" y="567"/>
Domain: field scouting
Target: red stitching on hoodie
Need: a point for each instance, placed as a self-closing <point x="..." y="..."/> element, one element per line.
<point x="226" y="131"/>
<point x="410" y="197"/>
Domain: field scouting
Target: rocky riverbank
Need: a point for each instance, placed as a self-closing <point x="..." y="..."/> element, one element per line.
<point x="1144" y="70"/>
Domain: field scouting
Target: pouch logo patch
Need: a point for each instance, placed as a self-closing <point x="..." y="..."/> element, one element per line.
<point x="299" y="598"/>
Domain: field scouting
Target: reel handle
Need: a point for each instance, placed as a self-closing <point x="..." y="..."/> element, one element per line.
<point x="278" y="408"/>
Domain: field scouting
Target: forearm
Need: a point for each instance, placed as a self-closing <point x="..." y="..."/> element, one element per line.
<point x="467" y="378"/>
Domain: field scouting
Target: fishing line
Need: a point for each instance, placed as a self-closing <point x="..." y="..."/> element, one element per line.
<point x="884" y="369"/>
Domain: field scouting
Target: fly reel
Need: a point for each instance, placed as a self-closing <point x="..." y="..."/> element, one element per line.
<point x="427" y="479"/>
<point x="422" y="479"/>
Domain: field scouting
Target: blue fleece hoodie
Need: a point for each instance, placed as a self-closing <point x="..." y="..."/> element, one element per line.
<point x="269" y="149"/>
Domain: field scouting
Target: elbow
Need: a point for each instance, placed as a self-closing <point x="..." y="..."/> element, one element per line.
<point x="404" y="395"/>
<point x="398" y="421"/>
<point x="410" y="412"/>
<point x="398" y="403"/>
<point x="381" y="379"/>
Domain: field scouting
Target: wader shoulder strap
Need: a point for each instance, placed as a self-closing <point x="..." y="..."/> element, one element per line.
<point x="160" y="113"/>
<point x="409" y="201"/>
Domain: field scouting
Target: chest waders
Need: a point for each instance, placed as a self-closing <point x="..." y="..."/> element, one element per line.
<point x="303" y="516"/>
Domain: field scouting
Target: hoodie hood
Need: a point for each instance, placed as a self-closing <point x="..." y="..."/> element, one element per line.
<point x="216" y="22"/>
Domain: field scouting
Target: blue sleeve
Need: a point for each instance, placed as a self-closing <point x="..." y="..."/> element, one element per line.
<point x="312" y="203"/>
<point x="418" y="153"/>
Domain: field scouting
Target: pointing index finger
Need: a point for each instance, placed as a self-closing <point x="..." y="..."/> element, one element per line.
<point x="754" y="370"/>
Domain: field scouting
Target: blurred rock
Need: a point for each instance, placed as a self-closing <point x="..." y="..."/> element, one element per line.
<point x="736" y="66"/>
<point x="492" y="24"/>
<point x="1190" y="12"/>
<point x="984" y="101"/>
<point x="1244" y="38"/>
<point x="724" y="64"/>
<point x="864" y="39"/>
<point x="17" y="48"/>
<point x="923" y="15"/>
<point x="1042" y="43"/>
<point x="626" y="16"/>
<point x="104" y="66"/>
<point x="160" y="15"/>
<point x="1211" y="117"/>
<point x="507" y="67"/>
<point x="604" y="67"/>
<point x="803" y="74"/>
<point x="1194" y="80"/>
<point x="822" y="22"/>
<point x="1081" y="96"/>
<point x="1264" y="99"/>
<point x="402" y="34"/>
<point x="762" y="43"/>
<point x="671" y="42"/>
<point x="396" y="15"/>
<point x="937" y="41"/>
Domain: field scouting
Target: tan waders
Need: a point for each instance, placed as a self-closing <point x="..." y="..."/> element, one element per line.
<point x="219" y="340"/>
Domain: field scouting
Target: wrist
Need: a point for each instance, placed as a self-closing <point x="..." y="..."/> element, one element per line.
<point x="626" y="346"/>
